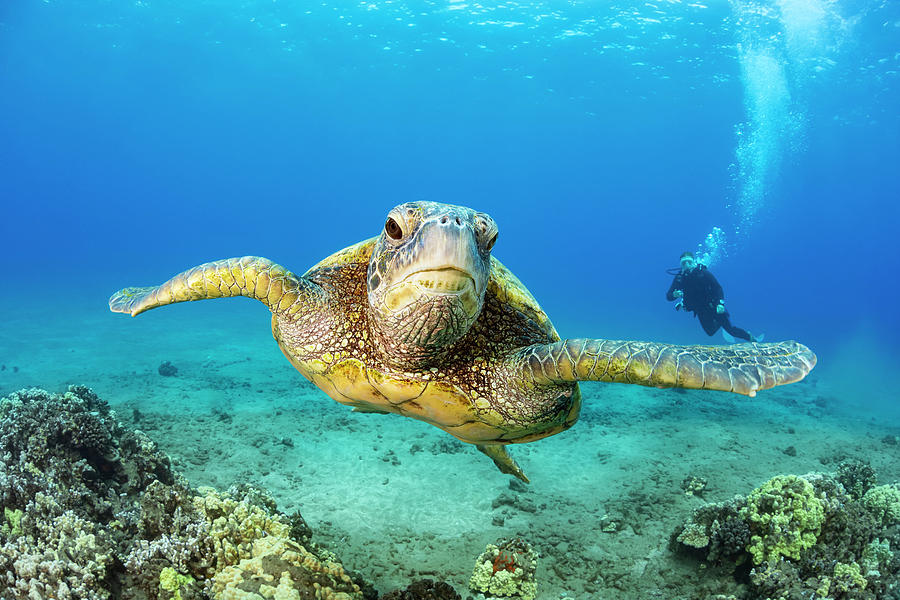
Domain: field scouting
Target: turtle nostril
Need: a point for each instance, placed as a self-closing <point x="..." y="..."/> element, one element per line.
<point x="444" y="220"/>
<point x="458" y="221"/>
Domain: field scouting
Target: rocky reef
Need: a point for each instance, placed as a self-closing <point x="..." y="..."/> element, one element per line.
<point x="818" y="536"/>
<point x="92" y="511"/>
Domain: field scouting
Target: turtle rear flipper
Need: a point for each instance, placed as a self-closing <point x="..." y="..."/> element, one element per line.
<point x="504" y="462"/>
<point x="250" y="276"/>
<point x="740" y="368"/>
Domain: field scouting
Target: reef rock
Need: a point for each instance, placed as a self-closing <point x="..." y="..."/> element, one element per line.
<point x="91" y="511"/>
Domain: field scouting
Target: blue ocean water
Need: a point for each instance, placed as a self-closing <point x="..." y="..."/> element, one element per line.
<point x="142" y="138"/>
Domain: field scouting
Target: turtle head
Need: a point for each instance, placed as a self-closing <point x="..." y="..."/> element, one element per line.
<point x="428" y="274"/>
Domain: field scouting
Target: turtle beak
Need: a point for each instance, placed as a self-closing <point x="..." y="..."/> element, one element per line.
<point x="447" y="263"/>
<point x="450" y="282"/>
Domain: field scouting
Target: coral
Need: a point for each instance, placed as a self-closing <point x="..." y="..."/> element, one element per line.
<point x="68" y="486"/>
<point x="235" y="542"/>
<point x="170" y="534"/>
<point x="729" y="538"/>
<point x="848" y="577"/>
<point x="424" y="589"/>
<point x="806" y="537"/>
<point x="694" y="485"/>
<point x="234" y="524"/>
<point x="171" y="580"/>
<point x="845" y="534"/>
<point x="280" y="568"/>
<point x="71" y="556"/>
<point x="716" y="528"/>
<point x="506" y="569"/>
<point x="857" y="477"/>
<point x="883" y="502"/>
<point x="779" y="579"/>
<point x="694" y="535"/>
<point x="876" y="556"/>
<point x="92" y="512"/>
<point x="785" y="517"/>
<point x="12" y="526"/>
<point x="845" y="582"/>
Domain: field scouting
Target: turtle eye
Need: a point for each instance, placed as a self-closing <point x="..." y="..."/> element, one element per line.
<point x="491" y="243"/>
<point x="393" y="230"/>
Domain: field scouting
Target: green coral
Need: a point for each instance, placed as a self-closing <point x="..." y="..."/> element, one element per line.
<point x="883" y="502"/>
<point x="875" y="556"/>
<point x="13" y="525"/>
<point x="824" y="587"/>
<point x="785" y="518"/>
<point x="848" y="577"/>
<point x="171" y="580"/>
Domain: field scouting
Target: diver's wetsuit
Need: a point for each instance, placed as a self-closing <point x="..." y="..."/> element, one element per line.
<point x="701" y="295"/>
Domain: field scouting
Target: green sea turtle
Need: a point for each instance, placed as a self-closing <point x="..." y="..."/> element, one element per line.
<point x="423" y="322"/>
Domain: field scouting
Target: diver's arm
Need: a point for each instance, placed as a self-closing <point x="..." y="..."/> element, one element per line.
<point x="676" y="285"/>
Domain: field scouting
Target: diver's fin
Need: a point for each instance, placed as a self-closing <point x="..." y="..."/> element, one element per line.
<point x="728" y="337"/>
<point x="758" y="338"/>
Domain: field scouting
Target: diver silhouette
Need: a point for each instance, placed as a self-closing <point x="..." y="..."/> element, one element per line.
<point x="695" y="289"/>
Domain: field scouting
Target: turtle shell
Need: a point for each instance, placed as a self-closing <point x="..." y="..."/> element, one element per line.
<point x="357" y="253"/>
<point x="460" y="396"/>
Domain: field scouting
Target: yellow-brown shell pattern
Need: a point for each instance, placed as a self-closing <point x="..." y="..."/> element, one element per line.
<point x="462" y="393"/>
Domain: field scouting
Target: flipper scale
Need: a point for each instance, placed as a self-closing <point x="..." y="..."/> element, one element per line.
<point x="250" y="276"/>
<point x="740" y="368"/>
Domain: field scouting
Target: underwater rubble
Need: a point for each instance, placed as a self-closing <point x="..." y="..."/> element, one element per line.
<point x="818" y="536"/>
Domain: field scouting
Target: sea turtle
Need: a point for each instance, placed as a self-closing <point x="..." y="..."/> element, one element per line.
<point x="423" y="322"/>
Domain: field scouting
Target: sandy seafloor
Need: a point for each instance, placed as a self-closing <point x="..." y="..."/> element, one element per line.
<point x="398" y="499"/>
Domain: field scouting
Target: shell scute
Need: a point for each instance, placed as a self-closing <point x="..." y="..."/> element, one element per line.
<point x="462" y="396"/>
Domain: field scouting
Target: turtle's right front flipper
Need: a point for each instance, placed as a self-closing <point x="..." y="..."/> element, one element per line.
<point x="739" y="368"/>
<point x="250" y="276"/>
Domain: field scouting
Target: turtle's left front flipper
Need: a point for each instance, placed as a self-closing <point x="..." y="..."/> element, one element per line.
<point x="740" y="368"/>
<point x="249" y="276"/>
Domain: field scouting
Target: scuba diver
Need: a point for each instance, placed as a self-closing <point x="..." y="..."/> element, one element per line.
<point x="696" y="289"/>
